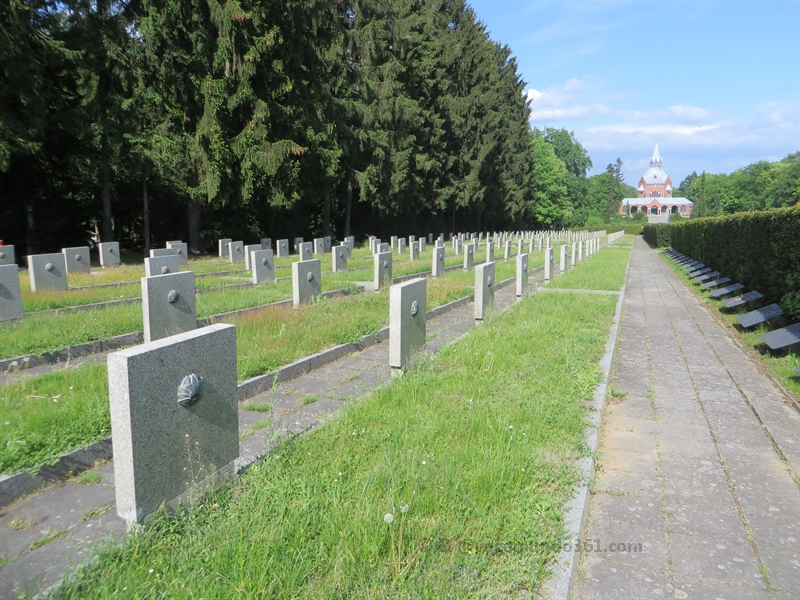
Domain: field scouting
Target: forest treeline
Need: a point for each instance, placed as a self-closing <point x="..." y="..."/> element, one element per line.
<point x="248" y="118"/>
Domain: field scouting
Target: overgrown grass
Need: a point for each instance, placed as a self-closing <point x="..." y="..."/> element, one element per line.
<point x="470" y="453"/>
<point x="605" y="270"/>
<point x="780" y="365"/>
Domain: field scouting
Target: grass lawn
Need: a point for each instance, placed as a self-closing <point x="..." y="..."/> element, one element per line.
<point x="450" y="482"/>
<point x="38" y="429"/>
<point x="781" y="366"/>
<point x="625" y="240"/>
<point x="605" y="270"/>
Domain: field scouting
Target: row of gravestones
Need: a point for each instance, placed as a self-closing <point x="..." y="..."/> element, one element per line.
<point x="174" y="412"/>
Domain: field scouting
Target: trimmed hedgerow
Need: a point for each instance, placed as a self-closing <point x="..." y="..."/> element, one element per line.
<point x="758" y="249"/>
<point x="657" y="235"/>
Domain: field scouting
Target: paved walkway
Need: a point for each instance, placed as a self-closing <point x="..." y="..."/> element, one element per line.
<point x="699" y="460"/>
<point x="52" y="530"/>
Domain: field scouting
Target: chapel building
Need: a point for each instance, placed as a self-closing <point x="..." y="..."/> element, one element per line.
<point x="654" y="196"/>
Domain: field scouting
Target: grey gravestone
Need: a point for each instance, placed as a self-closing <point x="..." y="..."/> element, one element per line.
<point x="77" y="259"/>
<point x="520" y="246"/>
<point x="182" y="250"/>
<point x="437" y="262"/>
<point x="283" y="248"/>
<point x="266" y="243"/>
<point x="156" y="252"/>
<point x="413" y="251"/>
<point x="484" y="289"/>
<point x="306" y="281"/>
<point x="407" y="321"/>
<point x="248" y="255"/>
<point x="174" y="419"/>
<point x="411" y="239"/>
<point x="530" y="245"/>
<point x="319" y="246"/>
<point x="350" y="242"/>
<point x="340" y="255"/>
<point x="7" y="255"/>
<point x="223" y="247"/>
<point x="328" y="243"/>
<point x="373" y="244"/>
<point x="161" y="265"/>
<point x="306" y="251"/>
<point x="297" y="242"/>
<point x="507" y="250"/>
<point x="109" y="254"/>
<point x="236" y="250"/>
<point x="469" y="251"/>
<point x="522" y="274"/>
<point x="572" y="256"/>
<point x="430" y="238"/>
<point x="540" y="244"/>
<point x="489" y="251"/>
<point x="401" y="246"/>
<point x="47" y="272"/>
<point x="457" y="244"/>
<point x="422" y="245"/>
<point x="580" y="251"/>
<point x="439" y="243"/>
<point x="168" y="305"/>
<point x="382" y="248"/>
<point x="263" y="266"/>
<point x="10" y="295"/>
<point x="562" y="259"/>
<point x="548" y="264"/>
<point x="393" y="242"/>
<point x="382" y="270"/>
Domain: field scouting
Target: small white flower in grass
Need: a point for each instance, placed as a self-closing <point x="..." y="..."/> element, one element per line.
<point x="151" y="570"/>
<point x="388" y="517"/>
<point x="424" y="462"/>
<point x="404" y="509"/>
<point x="511" y="427"/>
<point x="340" y="474"/>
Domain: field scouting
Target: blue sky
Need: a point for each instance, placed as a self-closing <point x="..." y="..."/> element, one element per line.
<point x="715" y="84"/>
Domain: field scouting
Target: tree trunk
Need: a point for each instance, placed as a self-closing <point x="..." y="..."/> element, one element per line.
<point x="108" y="219"/>
<point x="146" y="215"/>
<point x="349" y="207"/>
<point x="195" y="214"/>
<point x="326" y="213"/>
<point x="453" y="221"/>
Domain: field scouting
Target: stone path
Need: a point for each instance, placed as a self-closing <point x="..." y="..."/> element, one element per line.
<point x="699" y="460"/>
<point x="54" y="529"/>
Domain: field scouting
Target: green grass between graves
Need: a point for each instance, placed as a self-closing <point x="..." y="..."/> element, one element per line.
<point x="781" y="366"/>
<point x="605" y="270"/>
<point x="36" y="429"/>
<point x="471" y="454"/>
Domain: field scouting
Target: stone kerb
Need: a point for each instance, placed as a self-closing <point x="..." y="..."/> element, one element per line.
<point x="484" y="289"/>
<point x="161" y="265"/>
<point x="306" y="281"/>
<point x="174" y="419"/>
<point x="248" y="255"/>
<point x="47" y="272"/>
<point x="10" y="295"/>
<point x="469" y="256"/>
<point x="548" y="264"/>
<point x="8" y="255"/>
<point x="562" y="259"/>
<point x="168" y="305"/>
<point x="109" y="254"/>
<point x="437" y="262"/>
<point x="382" y="270"/>
<point x="263" y="265"/>
<point x="266" y="243"/>
<point x="222" y="247"/>
<point x="77" y="259"/>
<point x="319" y="246"/>
<point x="489" y="251"/>
<point x="522" y="274"/>
<point x="182" y="251"/>
<point x="413" y="251"/>
<point x="283" y="248"/>
<point x="236" y="252"/>
<point x="339" y="258"/>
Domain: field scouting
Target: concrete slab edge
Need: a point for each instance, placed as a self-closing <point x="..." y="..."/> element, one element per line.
<point x="561" y="584"/>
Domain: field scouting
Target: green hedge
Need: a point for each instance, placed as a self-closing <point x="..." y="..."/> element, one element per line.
<point x="759" y="249"/>
<point x="657" y="235"/>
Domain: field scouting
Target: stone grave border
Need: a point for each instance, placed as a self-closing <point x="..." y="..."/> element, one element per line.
<point x="16" y="486"/>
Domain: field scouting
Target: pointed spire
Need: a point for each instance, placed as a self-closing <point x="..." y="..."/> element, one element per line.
<point x="655" y="160"/>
